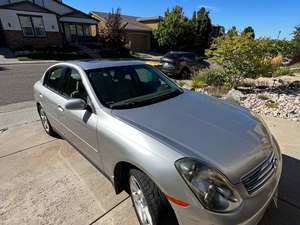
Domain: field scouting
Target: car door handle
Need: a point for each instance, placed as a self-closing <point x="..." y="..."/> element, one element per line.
<point x="60" y="108"/>
<point x="41" y="96"/>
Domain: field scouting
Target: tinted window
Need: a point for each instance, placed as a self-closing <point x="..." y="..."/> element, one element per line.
<point x="73" y="87"/>
<point x="172" y="55"/>
<point x="53" y="79"/>
<point x="129" y="86"/>
<point x="190" y="56"/>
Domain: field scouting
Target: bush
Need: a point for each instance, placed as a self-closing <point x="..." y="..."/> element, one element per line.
<point x="241" y="57"/>
<point x="197" y="83"/>
<point x="213" y="77"/>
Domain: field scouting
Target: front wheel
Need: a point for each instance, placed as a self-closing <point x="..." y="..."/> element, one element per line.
<point x="45" y="122"/>
<point x="150" y="204"/>
<point x="185" y="74"/>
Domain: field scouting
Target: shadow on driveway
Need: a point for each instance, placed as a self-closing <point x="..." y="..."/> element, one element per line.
<point x="3" y="68"/>
<point x="288" y="211"/>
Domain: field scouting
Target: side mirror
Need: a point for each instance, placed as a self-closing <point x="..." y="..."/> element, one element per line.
<point x="75" y="104"/>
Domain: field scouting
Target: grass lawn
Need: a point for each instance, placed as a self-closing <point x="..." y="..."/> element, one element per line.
<point x="49" y="56"/>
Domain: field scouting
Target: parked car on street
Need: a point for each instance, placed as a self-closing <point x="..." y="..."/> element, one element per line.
<point x="185" y="158"/>
<point x="182" y="64"/>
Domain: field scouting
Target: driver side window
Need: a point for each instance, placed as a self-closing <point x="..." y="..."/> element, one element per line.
<point x="73" y="86"/>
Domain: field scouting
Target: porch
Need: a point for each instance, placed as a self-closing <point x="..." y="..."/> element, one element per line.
<point x="79" y="33"/>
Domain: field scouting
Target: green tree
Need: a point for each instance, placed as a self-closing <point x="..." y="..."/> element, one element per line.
<point x="296" y="39"/>
<point x="249" y="30"/>
<point x="217" y="31"/>
<point x="283" y="47"/>
<point x="241" y="57"/>
<point x="203" y="28"/>
<point x="174" y="32"/>
<point x="232" y="32"/>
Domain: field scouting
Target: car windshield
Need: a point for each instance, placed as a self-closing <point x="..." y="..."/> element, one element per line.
<point x="131" y="86"/>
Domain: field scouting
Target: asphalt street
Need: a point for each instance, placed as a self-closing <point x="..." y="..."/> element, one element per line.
<point x="16" y="82"/>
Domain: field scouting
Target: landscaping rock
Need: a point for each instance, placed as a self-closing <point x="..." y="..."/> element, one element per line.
<point x="234" y="96"/>
<point x="286" y="106"/>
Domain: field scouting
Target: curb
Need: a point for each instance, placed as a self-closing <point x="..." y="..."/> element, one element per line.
<point x="28" y="62"/>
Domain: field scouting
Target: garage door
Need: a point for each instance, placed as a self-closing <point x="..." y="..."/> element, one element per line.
<point x="139" y="42"/>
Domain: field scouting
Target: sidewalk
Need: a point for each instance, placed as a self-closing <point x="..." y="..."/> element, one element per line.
<point x="7" y="57"/>
<point x="16" y="61"/>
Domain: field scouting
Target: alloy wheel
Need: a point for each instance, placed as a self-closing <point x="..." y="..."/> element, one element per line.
<point x="44" y="120"/>
<point x="139" y="202"/>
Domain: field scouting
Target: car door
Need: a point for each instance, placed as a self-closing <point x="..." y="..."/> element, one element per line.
<point x="80" y="126"/>
<point x="50" y="96"/>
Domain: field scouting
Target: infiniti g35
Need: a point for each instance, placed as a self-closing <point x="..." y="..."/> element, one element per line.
<point x="185" y="158"/>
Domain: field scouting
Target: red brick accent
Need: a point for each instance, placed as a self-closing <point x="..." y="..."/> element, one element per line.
<point x="16" y="39"/>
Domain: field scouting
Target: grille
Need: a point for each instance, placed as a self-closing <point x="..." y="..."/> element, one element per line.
<point x="260" y="175"/>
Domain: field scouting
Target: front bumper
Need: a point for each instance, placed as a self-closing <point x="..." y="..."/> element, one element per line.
<point x="249" y="213"/>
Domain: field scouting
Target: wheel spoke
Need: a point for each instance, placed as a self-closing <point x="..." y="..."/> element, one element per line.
<point x="140" y="202"/>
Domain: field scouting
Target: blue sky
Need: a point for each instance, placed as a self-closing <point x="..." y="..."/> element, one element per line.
<point x="267" y="17"/>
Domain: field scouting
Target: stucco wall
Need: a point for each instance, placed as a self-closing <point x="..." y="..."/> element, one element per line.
<point x="10" y="20"/>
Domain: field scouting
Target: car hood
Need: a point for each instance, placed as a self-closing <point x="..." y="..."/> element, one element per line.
<point x="224" y="136"/>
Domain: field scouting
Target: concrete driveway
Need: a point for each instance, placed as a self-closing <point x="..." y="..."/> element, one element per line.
<point x="46" y="181"/>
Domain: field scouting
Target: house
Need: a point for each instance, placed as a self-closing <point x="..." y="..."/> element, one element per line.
<point x="139" y="29"/>
<point x="43" y="23"/>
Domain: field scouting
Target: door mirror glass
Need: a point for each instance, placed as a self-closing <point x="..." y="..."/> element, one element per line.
<point x="76" y="104"/>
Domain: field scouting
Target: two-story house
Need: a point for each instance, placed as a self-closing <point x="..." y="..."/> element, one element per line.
<point x="43" y="23"/>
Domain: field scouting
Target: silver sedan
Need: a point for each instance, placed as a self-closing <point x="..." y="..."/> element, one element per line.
<point x="184" y="158"/>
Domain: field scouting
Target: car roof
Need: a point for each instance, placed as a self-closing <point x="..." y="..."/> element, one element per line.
<point x="97" y="64"/>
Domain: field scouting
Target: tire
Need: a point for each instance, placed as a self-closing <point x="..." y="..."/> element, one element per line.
<point x="185" y="74"/>
<point x="150" y="204"/>
<point x="45" y="122"/>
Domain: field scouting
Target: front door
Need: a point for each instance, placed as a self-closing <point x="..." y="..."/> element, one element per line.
<point x="2" y="39"/>
<point x="80" y="126"/>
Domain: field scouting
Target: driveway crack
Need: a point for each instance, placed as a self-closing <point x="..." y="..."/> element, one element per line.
<point x="25" y="149"/>
<point x="109" y="211"/>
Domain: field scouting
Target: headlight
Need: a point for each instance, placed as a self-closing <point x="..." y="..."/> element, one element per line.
<point x="210" y="186"/>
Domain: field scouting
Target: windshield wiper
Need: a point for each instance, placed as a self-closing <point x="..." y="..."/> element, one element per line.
<point x="122" y="105"/>
<point x="164" y="96"/>
<point x="141" y="102"/>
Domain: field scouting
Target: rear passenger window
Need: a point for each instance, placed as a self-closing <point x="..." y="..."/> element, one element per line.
<point x="73" y="87"/>
<point x="53" y="78"/>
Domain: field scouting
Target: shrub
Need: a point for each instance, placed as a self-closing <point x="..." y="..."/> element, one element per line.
<point x="197" y="83"/>
<point x="263" y="97"/>
<point x="241" y="56"/>
<point x="272" y="105"/>
<point x="282" y="71"/>
<point x="213" y="77"/>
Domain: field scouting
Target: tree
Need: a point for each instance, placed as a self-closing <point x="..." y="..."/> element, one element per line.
<point x="217" y="31"/>
<point x="296" y="39"/>
<point x="114" y="33"/>
<point x="203" y="28"/>
<point x="232" y="32"/>
<point x="249" y="30"/>
<point x="174" y="32"/>
<point x="280" y="47"/>
<point x="241" y="56"/>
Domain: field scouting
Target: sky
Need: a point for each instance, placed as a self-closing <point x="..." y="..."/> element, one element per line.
<point x="269" y="18"/>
